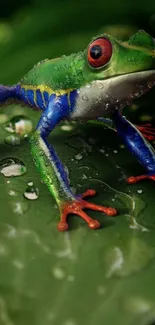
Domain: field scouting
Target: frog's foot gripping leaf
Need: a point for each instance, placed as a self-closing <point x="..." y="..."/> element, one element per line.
<point x="147" y="131"/>
<point x="136" y="179"/>
<point x="77" y="206"/>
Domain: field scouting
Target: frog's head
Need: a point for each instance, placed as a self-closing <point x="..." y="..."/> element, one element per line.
<point x="124" y="70"/>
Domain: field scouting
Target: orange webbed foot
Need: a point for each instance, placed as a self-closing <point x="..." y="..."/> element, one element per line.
<point x="76" y="207"/>
<point x="136" y="179"/>
<point x="147" y="130"/>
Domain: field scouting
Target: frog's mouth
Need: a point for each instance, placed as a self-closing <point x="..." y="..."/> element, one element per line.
<point x="121" y="90"/>
<point x="102" y="97"/>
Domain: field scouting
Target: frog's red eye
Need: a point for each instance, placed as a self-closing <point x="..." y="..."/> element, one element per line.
<point x="99" y="52"/>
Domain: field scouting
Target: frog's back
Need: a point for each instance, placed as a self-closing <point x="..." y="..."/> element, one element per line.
<point x="51" y="77"/>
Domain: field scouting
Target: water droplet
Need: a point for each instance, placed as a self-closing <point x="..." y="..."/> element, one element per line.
<point x="131" y="95"/>
<point x="78" y="156"/>
<point x="31" y="193"/>
<point x="84" y="176"/>
<point x="150" y="84"/>
<point x="11" y="167"/>
<point x="139" y="191"/>
<point x="30" y="184"/>
<point x="19" y="124"/>
<point x="137" y="94"/>
<point x="12" y="140"/>
<point x="58" y="273"/>
<point x="67" y="127"/>
<point x="12" y="193"/>
<point x="101" y="85"/>
<point x="84" y="97"/>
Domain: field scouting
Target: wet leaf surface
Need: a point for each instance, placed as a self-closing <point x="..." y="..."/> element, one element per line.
<point x="82" y="276"/>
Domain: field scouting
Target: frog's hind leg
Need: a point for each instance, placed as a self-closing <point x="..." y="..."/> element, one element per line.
<point x="147" y="130"/>
<point x="137" y="145"/>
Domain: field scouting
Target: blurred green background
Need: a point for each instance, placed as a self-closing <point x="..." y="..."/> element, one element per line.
<point x="81" y="277"/>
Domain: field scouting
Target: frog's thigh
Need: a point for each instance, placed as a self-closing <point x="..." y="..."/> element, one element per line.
<point x="135" y="142"/>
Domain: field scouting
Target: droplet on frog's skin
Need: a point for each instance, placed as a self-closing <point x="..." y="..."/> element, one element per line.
<point x="31" y="193"/>
<point x="88" y="86"/>
<point x="12" y="140"/>
<point x="19" y="124"/>
<point x="84" y="97"/>
<point x="11" y="167"/>
<point x="150" y="84"/>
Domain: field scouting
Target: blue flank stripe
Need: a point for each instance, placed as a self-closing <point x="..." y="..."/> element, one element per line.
<point x="26" y="97"/>
<point x="43" y="98"/>
<point x="39" y="99"/>
<point x="23" y="95"/>
<point x="30" y="96"/>
<point x="46" y="97"/>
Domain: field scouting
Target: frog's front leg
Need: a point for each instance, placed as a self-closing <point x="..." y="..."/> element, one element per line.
<point x="138" y="146"/>
<point x="52" y="170"/>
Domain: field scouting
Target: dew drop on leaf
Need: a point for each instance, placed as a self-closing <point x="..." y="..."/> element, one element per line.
<point x="31" y="193"/>
<point x="12" y="140"/>
<point x="20" y="124"/>
<point x="11" y="167"/>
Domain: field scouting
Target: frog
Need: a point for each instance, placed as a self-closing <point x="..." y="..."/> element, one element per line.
<point x="92" y="85"/>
